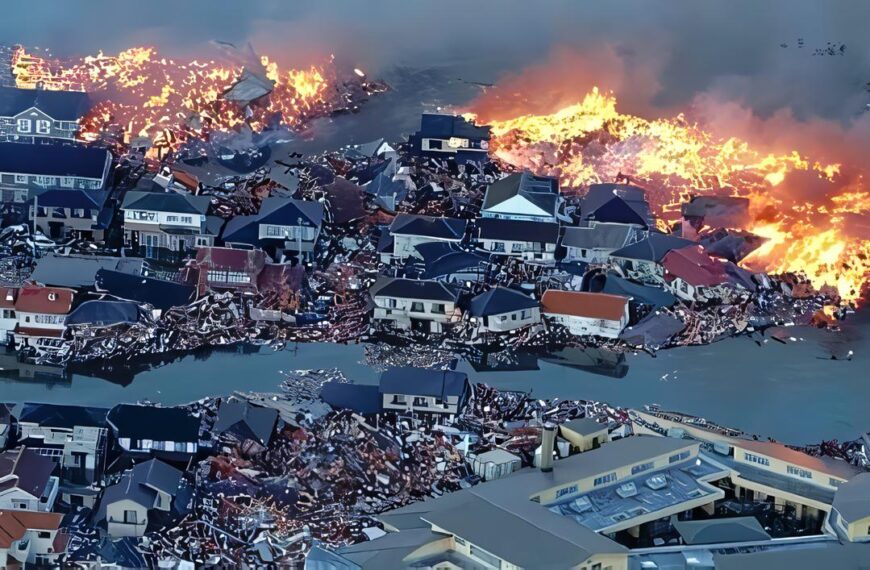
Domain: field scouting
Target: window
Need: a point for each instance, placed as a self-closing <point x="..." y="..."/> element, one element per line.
<point x="517" y="248"/>
<point x="435" y="144"/>
<point x="752" y="458"/>
<point x="171" y="219"/>
<point x="609" y="478"/>
<point x="439" y="308"/>
<point x="684" y="287"/>
<point x="642" y="467"/>
<point x="526" y="314"/>
<point x="459" y="540"/>
<point x="566" y="491"/>
<point x="130" y="517"/>
<point x="186" y="220"/>
<point x="43" y="127"/>
<point x="180" y="446"/>
<point x="498" y="246"/>
<point x="416" y="307"/>
<point x="21" y="179"/>
<point x="43" y="534"/>
<point x="802" y="473"/>
<point x="23" y="125"/>
<point x="485" y="556"/>
<point x="677" y="457"/>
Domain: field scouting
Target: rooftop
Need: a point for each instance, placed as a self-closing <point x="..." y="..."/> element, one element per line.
<point x="53" y="160"/>
<point x="429" y="226"/>
<point x="59" y="105"/>
<point x="414" y="289"/>
<point x="499" y="300"/>
<point x="583" y="304"/>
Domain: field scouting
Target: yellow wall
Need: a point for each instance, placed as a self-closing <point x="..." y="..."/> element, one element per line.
<point x="581" y="442"/>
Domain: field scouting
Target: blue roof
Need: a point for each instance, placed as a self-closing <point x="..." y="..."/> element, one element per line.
<point x="70" y="198"/>
<point x="654" y="296"/>
<point x="276" y="211"/>
<point x="414" y="289"/>
<point x="59" y="105"/>
<point x="499" y="300"/>
<point x="156" y="292"/>
<point x="364" y="399"/>
<point x="166" y="202"/>
<point x="446" y="126"/>
<point x="103" y="313"/>
<point x="53" y="160"/>
<point x="424" y="382"/>
<point x="619" y="203"/>
<point x="429" y="226"/>
<point x="652" y="248"/>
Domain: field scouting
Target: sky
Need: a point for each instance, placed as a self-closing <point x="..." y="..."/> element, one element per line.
<point x="667" y="52"/>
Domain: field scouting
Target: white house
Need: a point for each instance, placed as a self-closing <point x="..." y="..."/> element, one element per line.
<point x="40" y="313"/>
<point x="423" y="390"/>
<point x="31" y="539"/>
<point x="8" y="320"/>
<point x="25" y="167"/>
<point x="594" y="243"/>
<point x="409" y="231"/>
<point x="586" y="314"/>
<point x="523" y="196"/>
<point x="501" y="310"/>
<point x="167" y="224"/>
<point x="527" y="240"/>
<point x="415" y="304"/>
<point x="26" y="482"/>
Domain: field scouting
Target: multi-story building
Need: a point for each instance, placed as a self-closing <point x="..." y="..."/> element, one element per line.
<point x="30" y="115"/>
<point x="40" y="313"/>
<point x="26" y="481"/>
<point x="30" y="169"/>
<point x="415" y="304"/>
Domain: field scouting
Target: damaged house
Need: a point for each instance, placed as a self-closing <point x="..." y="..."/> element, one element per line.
<point x="642" y="260"/>
<point x="523" y="196"/>
<point x="501" y="310"/>
<point x="594" y="243"/>
<point x="616" y="204"/>
<point x="415" y="304"/>
<point x="409" y="231"/>
<point x="40" y="314"/>
<point x="450" y="136"/>
<point x="225" y="269"/>
<point x="30" y="539"/>
<point x="32" y="115"/>
<point x="586" y="314"/>
<point x="282" y="226"/>
<point x="26" y="481"/>
<point x="142" y="432"/>
<point x="692" y="275"/>
<point x="167" y="225"/>
<point x="527" y="240"/>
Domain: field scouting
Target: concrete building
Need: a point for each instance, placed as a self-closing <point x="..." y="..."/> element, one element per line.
<point x="415" y="304"/>
<point x="586" y="314"/>
<point x="584" y="434"/>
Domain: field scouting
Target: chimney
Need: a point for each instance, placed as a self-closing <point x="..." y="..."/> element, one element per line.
<point x="548" y="442"/>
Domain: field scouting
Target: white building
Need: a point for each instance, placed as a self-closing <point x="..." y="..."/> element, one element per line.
<point x="409" y="231"/>
<point x="26" y="482"/>
<point x="415" y="304"/>
<point x="502" y="310"/>
<point x="527" y="240"/>
<point x="419" y="390"/>
<point x="8" y="320"/>
<point x="32" y="539"/>
<point x="40" y="313"/>
<point x="586" y="314"/>
<point x="523" y="196"/>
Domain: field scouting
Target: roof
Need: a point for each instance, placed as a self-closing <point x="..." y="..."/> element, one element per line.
<point x="429" y="226"/>
<point x="53" y="160"/>
<point x="59" y="105"/>
<point x="647" y="295"/>
<point x="715" y="531"/>
<point x="388" y="551"/>
<point x="500" y="300"/>
<point x="694" y="266"/>
<point x="446" y="126"/>
<point x="157" y="475"/>
<point x="828" y="465"/>
<point x="382" y="187"/>
<point x="652" y="248"/>
<point x="423" y="382"/>
<point x="253" y="421"/>
<point x="158" y="293"/>
<point x="600" y="236"/>
<point x="48" y="300"/>
<point x="497" y="456"/>
<point x="518" y="230"/>
<point x="155" y="423"/>
<point x="166" y="202"/>
<point x="441" y="258"/>
<point x="583" y="304"/>
<point x="584" y="426"/>
<point x="104" y="313"/>
<point x="7" y="297"/>
<point x="32" y="470"/>
<point x="361" y="398"/>
<point x="852" y="499"/>
<point x="250" y="261"/>
<point x="60" y="416"/>
<point x="15" y="524"/>
<point x="345" y="201"/>
<point x="619" y="203"/>
<point x="73" y="198"/>
<point x="414" y="289"/>
<point x="542" y="191"/>
<point x="79" y="271"/>
<point x="799" y="557"/>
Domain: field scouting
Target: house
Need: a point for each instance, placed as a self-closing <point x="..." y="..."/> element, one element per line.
<point x="7" y="424"/>
<point x="167" y="225"/>
<point x="386" y="192"/>
<point x="409" y="231"/>
<point x="8" y="320"/>
<point x="40" y="313"/>
<point x="415" y="304"/>
<point x="582" y="313"/>
<point x="617" y="204"/>
<point x="692" y="275"/>
<point x="450" y="263"/>
<point x="26" y="481"/>
<point x="170" y="434"/>
<point x="642" y="260"/>
<point x="30" y="115"/>
<point x="282" y="225"/>
<point x="523" y="196"/>
<point x="449" y="136"/>
<point x="80" y="271"/>
<point x="71" y="213"/>
<point x="159" y="293"/>
<point x="29" y="539"/>
<point x="149" y="492"/>
<point x="74" y="436"/>
<point x="242" y="421"/>
<point x="594" y="243"/>
<point x="495" y="464"/>
<point x="424" y="391"/>
<point x="584" y="434"/>
<point x="223" y="268"/>
<point x="26" y="167"/>
<point x="501" y="310"/>
<point x="361" y="398"/>
<point x="527" y="240"/>
<point x="850" y="512"/>
<point x="102" y="314"/>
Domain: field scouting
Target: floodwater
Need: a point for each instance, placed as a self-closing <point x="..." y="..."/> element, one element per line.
<point x="793" y="392"/>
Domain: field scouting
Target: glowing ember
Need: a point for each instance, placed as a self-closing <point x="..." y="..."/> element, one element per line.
<point x="591" y="141"/>
<point x="169" y="101"/>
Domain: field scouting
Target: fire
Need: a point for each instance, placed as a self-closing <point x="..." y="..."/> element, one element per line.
<point x="146" y="94"/>
<point x="592" y="141"/>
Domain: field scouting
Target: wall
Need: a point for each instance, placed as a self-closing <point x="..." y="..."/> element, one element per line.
<point x="115" y="519"/>
<point x="582" y="326"/>
<point x="511" y="320"/>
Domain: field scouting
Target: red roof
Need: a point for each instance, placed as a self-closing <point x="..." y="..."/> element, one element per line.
<point x="694" y="266"/>
<point x="14" y="524"/>
<point x="36" y="331"/>
<point x="7" y="297"/>
<point x="47" y="300"/>
<point x="582" y="304"/>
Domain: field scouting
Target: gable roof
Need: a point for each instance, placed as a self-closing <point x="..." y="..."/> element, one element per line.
<point x="647" y="295"/>
<point x="651" y="248"/>
<point x="250" y="261"/>
<point x="542" y="191"/>
<point x="47" y="300"/>
<point x="53" y="160"/>
<point x="158" y="293"/>
<point x="166" y="202"/>
<point x="103" y="313"/>
<point x="619" y="203"/>
<point x="79" y="270"/>
<point x="157" y="475"/>
<point x="254" y="421"/>
<point x="500" y="300"/>
<point x="600" y="236"/>
<point x="155" y="423"/>
<point x="15" y="524"/>
<point x="414" y="289"/>
<point x="31" y="469"/>
<point x="61" y="416"/>
<point x="852" y="498"/>
<point x="583" y="304"/>
<point x="694" y="266"/>
<point x="715" y="531"/>
<point x="518" y="230"/>
<point x="429" y="226"/>
<point x="277" y="211"/>
<point x="423" y="382"/>
<point x="59" y="105"/>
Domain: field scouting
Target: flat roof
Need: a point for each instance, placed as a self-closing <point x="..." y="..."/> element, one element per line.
<point x="828" y="465"/>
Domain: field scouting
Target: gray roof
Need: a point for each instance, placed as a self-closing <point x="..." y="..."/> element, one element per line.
<point x="811" y="556"/>
<point x="423" y="382"/>
<point x="518" y="230"/>
<point x="414" y="289"/>
<point x="584" y="426"/>
<point x="241" y="416"/>
<point x="542" y="191"/>
<point x="59" y="105"/>
<point x="852" y="499"/>
<point x="715" y="531"/>
<point x="80" y="270"/>
<point x="104" y="313"/>
<point x="140" y="485"/>
<point x="158" y="475"/>
<point x="601" y="236"/>
<point x="499" y="300"/>
<point x="622" y="203"/>
<point x="387" y="551"/>
<point x="653" y="247"/>
<point x="428" y="226"/>
<point x="166" y="202"/>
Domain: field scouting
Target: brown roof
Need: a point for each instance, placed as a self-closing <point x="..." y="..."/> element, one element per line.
<point x="29" y="470"/>
<point x="582" y="304"/>
<point x="48" y="300"/>
<point x="36" y="331"/>
<point x="694" y="266"/>
<point x="7" y="297"/>
<point x="14" y="524"/>
<point x="828" y="465"/>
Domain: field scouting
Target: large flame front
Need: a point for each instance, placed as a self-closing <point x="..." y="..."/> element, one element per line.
<point x="169" y="100"/>
<point x="591" y="141"/>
